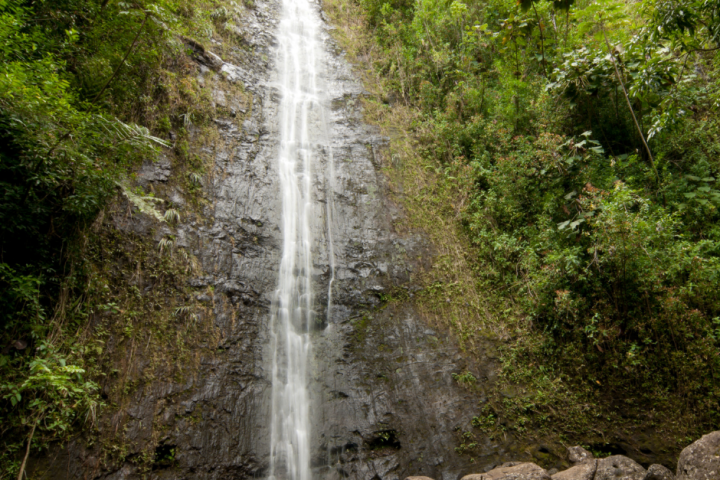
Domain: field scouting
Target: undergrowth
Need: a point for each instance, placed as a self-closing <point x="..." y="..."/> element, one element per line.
<point x="149" y="322"/>
<point x="587" y="254"/>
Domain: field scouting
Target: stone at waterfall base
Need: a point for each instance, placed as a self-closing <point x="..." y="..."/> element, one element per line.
<point x="579" y="455"/>
<point x="658" y="472"/>
<point x="583" y="471"/>
<point x="521" y="471"/>
<point x="701" y="460"/>
<point x="698" y="461"/>
<point x="619" y="467"/>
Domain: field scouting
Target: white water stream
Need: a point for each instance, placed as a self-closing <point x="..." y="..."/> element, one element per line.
<point x="302" y="130"/>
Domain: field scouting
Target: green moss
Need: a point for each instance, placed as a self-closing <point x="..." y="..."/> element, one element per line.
<point x="361" y="325"/>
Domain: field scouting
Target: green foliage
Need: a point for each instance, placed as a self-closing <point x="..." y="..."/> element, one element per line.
<point x="86" y="90"/>
<point x="485" y="421"/>
<point x="466" y="378"/>
<point x="47" y="399"/>
<point x="613" y="266"/>
<point x="144" y="203"/>
<point x="467" y="443"/>
<point x="692" y="24"/>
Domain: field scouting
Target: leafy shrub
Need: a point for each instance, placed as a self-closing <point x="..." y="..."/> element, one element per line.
<point x="592" y="133"/>
<point x="83" y="86"/>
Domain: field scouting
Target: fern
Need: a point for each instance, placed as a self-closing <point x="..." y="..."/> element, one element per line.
<point x="129" y="133"/>
<point x="172" y="216"/>
<point x="195" y="178"/>
<point x="166" y="244"/>
<point x="143" y="203"/>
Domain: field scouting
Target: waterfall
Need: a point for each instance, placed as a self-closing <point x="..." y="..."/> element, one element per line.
<point x="302" y="130"/>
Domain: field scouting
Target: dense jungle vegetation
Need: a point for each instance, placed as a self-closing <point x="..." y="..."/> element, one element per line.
<point x="581" y="139"/>
<point x="580" y="142"/>
<point x="87" y="88"/>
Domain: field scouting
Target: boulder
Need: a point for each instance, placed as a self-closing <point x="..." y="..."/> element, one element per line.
<point x="701" y="460"/>
<point x="578" y="454"/>
<point x="521" y="471"/>
<point x="619" y="467"/>
<point x="474" y="476"/>
<point x="213" y="61"/>
<point x="582" y="471"/>
<point x="205" y="57"/>
<point x="658" y="472"/>
<point x="418" y="478"/>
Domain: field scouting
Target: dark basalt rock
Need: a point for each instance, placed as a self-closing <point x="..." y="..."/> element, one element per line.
<point x="159" y="171"/>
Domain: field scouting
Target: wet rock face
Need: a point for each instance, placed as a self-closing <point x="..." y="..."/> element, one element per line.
<point x="388" y="404"/>
<point x="383" y="395"/>
<point x="159" y="171"/>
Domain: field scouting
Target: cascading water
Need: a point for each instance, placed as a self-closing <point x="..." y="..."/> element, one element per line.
<point x="302" y="130"/>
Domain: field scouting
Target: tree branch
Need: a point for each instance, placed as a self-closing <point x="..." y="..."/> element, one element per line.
<point x="117" y="70"/>
<point x="542" y="39"/>
<point x="627" y="99"/>
<point x="127" y="54"/>
<point x="27" y="451"/>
